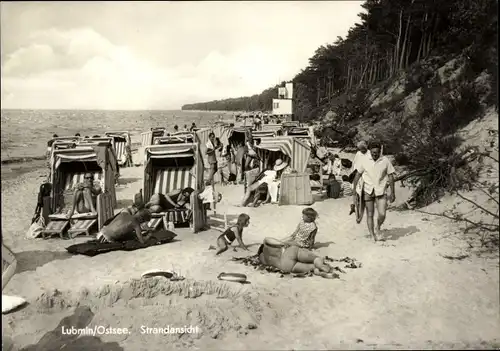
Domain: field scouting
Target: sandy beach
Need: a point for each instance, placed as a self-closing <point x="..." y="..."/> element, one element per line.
<point x="405" y="295"/>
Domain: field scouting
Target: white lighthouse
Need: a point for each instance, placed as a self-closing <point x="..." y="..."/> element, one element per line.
<point x="282" y="106"/>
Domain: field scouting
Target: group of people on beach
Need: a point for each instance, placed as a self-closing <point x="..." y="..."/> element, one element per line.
<point x="371" y="177"/>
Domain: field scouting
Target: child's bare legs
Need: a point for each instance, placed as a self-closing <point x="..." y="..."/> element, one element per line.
<point x="221" y="244"/>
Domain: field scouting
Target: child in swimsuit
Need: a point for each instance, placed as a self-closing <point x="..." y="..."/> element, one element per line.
<point x="232" y="233"/>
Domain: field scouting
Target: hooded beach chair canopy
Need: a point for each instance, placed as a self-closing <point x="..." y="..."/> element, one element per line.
<point x="237" y="135"/>
<point x="68" y="168"/>
<point x="99" y="140"/>
<point x="73" y="139"/>
<point x="258" y="134"/>
<point x="122" y="145"/>
<point x="272" y="128"/>
<point x="298" y="131"/>
<point x="147" y="138"/>
<point x="174" y="139"/>
<point x="291" y="124"/>
<point x="172" y="166"/>
<point x="94" y="158"/>
<point x="289" y="149"/>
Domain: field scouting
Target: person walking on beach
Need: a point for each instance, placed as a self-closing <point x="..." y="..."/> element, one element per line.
<point x="212" y="146"/>
<point x="362" y="154"/>
<point x="377" y="175"/>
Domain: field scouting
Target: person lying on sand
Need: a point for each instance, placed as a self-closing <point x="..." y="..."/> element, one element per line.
<point x="125" y="227"/>
<point x="85" y="196"/>
<point x="293" y="259"/>
<point x="261" y="196"/>
<point x="232" y="233"/>
<point x="176" y="199"/>
<point x="267" y="177"/>
<point x="378" y="176"/>
<point x="304" y="235"/>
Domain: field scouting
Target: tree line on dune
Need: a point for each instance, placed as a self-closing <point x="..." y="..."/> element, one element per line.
<point x="392" y="36"/>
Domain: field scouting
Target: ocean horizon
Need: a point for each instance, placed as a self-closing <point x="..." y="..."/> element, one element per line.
<point x="25" y="132"/>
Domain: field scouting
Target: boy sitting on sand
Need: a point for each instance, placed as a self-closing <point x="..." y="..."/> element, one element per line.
<point x="232" y="233"/>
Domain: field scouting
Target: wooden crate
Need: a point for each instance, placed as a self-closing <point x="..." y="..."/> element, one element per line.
<point x="295" y="189"/>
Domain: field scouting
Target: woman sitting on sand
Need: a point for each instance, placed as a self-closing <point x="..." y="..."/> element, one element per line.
<point x="293" y="259"/>
<point x="175" y="199"/>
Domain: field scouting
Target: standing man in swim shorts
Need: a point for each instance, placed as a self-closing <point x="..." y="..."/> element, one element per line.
<point x="378" y="175"/>
<point x="212" y="147"/>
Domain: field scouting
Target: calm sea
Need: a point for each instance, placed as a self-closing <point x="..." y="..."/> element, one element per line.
<point x="25" y="132"/>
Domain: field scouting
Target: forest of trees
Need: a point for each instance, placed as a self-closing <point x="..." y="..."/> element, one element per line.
<point x="391" y="36"/>
<point x="258" y="102"/>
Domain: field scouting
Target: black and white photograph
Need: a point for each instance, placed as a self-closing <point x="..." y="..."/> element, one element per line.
<point x="250" y="175"/>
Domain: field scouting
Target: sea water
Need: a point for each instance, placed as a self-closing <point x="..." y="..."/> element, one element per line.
<point x="25" y="133"/>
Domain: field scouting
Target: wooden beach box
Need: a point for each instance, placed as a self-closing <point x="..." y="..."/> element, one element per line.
<point x="295" y="189"/>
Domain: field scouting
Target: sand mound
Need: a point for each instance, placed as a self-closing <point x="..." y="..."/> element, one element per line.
<point x="215" y="308"/>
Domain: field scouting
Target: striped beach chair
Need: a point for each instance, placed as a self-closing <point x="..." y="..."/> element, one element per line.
<point x="122" y="147"/>
<point x="81" y="223"/>
<point x="166" y="180"/>
<point x="121" y="152"/>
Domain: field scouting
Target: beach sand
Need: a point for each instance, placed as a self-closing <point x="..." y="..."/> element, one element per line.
<point x="405" y="295"/>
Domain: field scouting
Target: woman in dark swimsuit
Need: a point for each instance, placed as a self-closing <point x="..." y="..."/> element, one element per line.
<point x="231" y="234"/>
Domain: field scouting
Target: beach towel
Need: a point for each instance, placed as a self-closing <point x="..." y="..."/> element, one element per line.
<point x="94" y="247"/>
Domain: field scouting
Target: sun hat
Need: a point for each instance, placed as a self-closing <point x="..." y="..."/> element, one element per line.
<point x="279" y="164"/>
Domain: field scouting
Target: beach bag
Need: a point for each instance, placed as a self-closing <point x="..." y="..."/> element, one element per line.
<point x="333" y="189"/>
<point x="36" y="228"/>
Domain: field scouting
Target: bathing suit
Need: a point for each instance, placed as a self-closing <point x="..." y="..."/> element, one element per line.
<point x="229" y="235"/>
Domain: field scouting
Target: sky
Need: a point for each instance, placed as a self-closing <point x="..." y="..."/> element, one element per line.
<point x="157" y="55"/>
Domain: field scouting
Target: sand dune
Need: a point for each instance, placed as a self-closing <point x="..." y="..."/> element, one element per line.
<point x="406" y="295"/>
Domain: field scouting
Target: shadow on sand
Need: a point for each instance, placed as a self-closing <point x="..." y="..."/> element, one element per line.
<point x="56" y="340"/>
<point x="124" y="203"/>
<point x="320" y="245"/>
<point x="396" y="233"/>
<point x="30" y="260"/>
